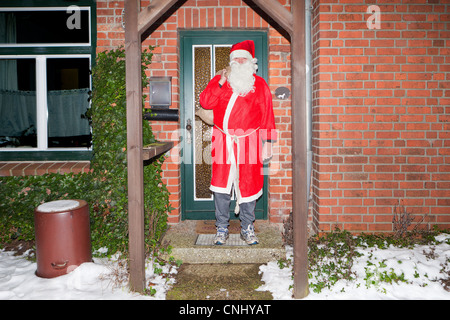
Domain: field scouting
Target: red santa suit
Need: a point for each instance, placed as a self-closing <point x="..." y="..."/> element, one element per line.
<point x="241" y="124"/>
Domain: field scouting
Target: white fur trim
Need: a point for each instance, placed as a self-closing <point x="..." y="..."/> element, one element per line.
<point x="243" y="200"/>
<point x="252" y="198"/>
<point x="241" y="54"/>
<point x="230" y="149"/>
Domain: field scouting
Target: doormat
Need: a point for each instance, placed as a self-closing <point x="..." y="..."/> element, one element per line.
<point x="208" y="227"/>
<point x="208" y="240"/>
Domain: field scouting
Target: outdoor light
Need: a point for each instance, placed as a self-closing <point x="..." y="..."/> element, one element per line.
<point x="160" y="91"/>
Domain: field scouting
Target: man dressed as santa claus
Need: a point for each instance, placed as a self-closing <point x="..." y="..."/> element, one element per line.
<point x="243" y="133"/>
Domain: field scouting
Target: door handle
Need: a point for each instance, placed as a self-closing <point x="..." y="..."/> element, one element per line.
<point x="188" y="125"/>
<point x="189" y="131"/>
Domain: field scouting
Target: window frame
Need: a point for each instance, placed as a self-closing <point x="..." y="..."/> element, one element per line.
<point x="41" y="100"/>
<point x="42" y="52"/>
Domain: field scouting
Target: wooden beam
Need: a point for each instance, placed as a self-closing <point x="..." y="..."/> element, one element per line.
<point x="278" y="12"/>
<point x="134" y="148"/>
<point x="148" y="16"/>
<point x="299" y="151"/>
<point x="156" y="149"/>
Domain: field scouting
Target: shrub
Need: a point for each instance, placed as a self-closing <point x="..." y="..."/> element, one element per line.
<point x="105" y="187"/>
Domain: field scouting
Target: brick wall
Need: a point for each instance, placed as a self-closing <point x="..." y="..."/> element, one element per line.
<point x="380" y="105"/>
<point x="209" y="14"/>
<point x="381" y="113"/>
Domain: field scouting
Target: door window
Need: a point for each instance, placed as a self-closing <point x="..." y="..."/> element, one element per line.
<point x="207" y="61"/>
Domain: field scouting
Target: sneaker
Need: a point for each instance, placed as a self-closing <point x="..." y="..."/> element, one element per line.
<point x="221" y="236"/>
<point x="249" y="235"/>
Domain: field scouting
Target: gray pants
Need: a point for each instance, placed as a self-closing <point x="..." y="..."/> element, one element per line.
<point x="222" y="202"/>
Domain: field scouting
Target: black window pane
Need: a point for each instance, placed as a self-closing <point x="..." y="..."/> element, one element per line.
<point x="18" y="103"/>
<point x="50" y="27"/>
<point x="67" y="99"/>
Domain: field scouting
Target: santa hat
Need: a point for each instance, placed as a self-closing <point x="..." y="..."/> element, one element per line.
<point x="244" y="49"/>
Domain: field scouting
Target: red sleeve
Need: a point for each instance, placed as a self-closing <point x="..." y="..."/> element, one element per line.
<point x="209" y="98"/>
<point x="268" y="130"/>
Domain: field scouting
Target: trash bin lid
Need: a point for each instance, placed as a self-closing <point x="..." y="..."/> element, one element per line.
<point x="58" y="205"/>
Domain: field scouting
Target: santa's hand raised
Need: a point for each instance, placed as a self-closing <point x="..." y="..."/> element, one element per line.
<point x="223" y="76"/>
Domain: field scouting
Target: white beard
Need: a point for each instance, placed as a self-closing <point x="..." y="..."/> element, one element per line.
<point x="241" y="77"/>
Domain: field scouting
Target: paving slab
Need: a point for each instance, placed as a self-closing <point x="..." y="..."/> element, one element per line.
<point x="183" y="240"/>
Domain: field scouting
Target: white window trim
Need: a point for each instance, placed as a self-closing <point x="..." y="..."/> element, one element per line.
<point x="33" y="45"/>
<point x="41" y="100"/>
<point x="41" y="103"/>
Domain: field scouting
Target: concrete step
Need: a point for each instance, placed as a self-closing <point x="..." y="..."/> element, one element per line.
<point x="218" y="282"/>
<point x="183" y="238"/>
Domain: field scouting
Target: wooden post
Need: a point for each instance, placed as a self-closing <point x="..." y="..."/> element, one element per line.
<point x="134" y="148"/>
<point x="299" y="151"/>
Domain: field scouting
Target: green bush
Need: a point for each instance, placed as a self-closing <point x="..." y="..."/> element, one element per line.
<point x="105" y="187"/>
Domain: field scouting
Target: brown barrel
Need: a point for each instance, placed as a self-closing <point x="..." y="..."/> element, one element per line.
<point x="63" y="238"/>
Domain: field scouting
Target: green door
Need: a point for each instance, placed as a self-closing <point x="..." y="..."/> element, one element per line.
<point x="203" y="53"/>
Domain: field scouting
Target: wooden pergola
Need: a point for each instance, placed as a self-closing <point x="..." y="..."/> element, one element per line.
<point x="138" y="25"/>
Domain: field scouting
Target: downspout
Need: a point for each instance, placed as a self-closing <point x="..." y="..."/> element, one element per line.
<point x="308" y="10"/>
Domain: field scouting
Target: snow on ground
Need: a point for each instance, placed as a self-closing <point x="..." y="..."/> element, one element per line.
<point x="421" y="267"/>
<point x="90" y="281"/>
